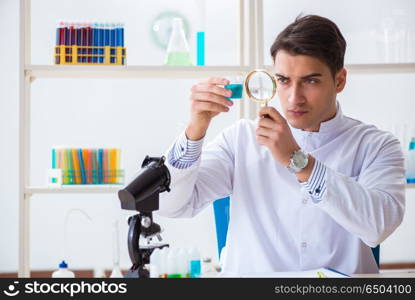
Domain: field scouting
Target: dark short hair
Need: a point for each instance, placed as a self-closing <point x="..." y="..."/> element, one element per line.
<point x="313" y="36"/>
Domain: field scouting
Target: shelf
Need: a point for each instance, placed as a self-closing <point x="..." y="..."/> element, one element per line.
<point x="381" y="68"/>
<point x="84" y="189"/>
<point x="375" y="68"/>
<point x="76" y="71"/>
<point x="92" y="189"/>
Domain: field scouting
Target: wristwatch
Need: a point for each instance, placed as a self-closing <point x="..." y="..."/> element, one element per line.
<point x="298" y="161"/>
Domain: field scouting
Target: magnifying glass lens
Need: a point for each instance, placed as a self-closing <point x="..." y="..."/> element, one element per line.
<point x="260" y="86"/>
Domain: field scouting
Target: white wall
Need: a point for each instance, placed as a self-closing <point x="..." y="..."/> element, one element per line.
<point x="8" y="135"/>
<point x="365" y="25"/>
<point x="143" y="117"/>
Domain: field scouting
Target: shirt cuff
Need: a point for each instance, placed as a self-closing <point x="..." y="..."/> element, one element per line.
<point x="185" y="152"/>
<point x="316" y="184"/>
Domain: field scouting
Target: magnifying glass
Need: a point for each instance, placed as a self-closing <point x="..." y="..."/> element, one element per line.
<point x="260" y="86"/>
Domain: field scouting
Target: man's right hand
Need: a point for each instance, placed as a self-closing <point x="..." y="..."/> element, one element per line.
<point x="207" y="100"/>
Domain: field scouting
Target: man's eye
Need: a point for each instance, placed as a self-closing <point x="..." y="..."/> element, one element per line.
<point x="282" y="80"/>
<point x="312" y="81"/>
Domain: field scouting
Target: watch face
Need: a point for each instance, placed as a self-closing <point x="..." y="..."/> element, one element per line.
<point x="300" y="159"/>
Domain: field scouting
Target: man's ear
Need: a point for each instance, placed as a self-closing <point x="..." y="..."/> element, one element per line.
<point x="340" y="80"/>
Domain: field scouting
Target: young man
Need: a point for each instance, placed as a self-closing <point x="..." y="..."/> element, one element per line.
<point x="310" y="187"/>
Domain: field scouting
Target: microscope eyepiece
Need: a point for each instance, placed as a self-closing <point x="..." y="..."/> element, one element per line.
<point x="142" y="193"/>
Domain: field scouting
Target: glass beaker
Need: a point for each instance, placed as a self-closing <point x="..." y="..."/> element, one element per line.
<point x="236" y="86"/>
<point x="178" y="50"/>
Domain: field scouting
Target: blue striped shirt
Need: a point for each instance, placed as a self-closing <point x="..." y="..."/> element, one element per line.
<point x="185" y="153"/>
<point x="316" y="184"/>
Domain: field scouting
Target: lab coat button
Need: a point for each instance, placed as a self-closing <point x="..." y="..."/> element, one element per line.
<point x="304" y="200"/>
<point x="303" y="244"/>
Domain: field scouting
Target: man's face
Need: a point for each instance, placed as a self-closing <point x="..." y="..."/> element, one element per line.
<point x="307" y="89"/>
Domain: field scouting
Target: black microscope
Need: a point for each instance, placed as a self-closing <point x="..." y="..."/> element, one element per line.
<point x="142" y="195"/>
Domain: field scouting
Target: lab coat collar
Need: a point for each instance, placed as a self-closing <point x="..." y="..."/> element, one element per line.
<point x="328" y="130"/>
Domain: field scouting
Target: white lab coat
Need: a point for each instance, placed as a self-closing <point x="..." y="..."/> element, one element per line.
<point x="274" y="224"/>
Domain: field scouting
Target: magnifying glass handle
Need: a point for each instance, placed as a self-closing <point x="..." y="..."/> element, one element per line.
<point x="265" y="105"/>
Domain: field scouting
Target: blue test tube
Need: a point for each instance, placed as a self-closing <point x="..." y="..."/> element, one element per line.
<point x="106" y="35"/>
<point x="200" y="46"/>
<point x="117" y="39"/>
<point x="100" y="43"/>
<point x="112" y="43"/>
<point x="122" y="35"/>
<point x="109" y="39"/>
<point x="53" y="158"/>
<point x="94" y="42"/>
<point x="100" y="165"/>
<point x="122" y="41"/>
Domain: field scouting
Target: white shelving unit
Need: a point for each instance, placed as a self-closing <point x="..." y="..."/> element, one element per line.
<point x="250" y="17"/>
<point x="130" y="71"/>
<point x="84" y="189"/>
<point x="250" y="51"/>
<point x="45" y="71"/>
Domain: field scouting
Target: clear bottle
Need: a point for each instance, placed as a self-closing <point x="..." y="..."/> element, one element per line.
<point x="155" y="262"/>
<point x="178" y="50"/>
<point x="182" y="260"/>
<point x="163" y="262"/>
<point x="116" y="270"/>
<point x="396" y="33"/>
<point x="208" y="270"/>
<point x="173" y="265"/>
<point x="63" y="271"/>
<point x="410" y="162"/>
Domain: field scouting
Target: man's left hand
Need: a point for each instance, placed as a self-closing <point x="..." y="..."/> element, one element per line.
<point x="274" y="133"/>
